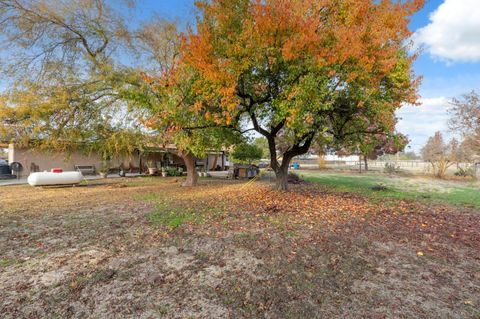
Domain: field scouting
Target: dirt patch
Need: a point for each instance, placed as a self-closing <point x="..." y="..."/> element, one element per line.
<point x="247" y="252"/>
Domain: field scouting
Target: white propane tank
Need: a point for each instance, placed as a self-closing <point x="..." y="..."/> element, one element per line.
<point x="48" y="178"/>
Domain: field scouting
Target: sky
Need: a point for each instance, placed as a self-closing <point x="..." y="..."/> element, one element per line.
<point x="447" y="33"/>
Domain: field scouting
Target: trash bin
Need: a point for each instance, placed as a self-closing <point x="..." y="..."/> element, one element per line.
<point x="296" y="166"/>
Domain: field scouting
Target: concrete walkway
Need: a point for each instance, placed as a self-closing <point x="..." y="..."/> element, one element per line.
<point x="23" y="180"/>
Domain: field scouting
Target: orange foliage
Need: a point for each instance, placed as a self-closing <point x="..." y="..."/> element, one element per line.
<point x="353" y="39"/>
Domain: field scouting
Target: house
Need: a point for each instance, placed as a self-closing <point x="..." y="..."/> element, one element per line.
<point x="33" y="160"/>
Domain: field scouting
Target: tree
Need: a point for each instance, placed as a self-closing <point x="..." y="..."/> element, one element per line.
<point x="167" y="98"/>
<point x="167" y="112"/>
<point x="439" y="154"/>
<point x="262" y="143"/>
<point x="247" y="153"/>
<point x="409" y="156"/>
<point x="84" y="88"/>
<point x="374" y="145"/>
<point x="61" y="80"/>
<point x="465" y="153"/>
<point x="465" y="120"/>
<point x="302" y="70"/>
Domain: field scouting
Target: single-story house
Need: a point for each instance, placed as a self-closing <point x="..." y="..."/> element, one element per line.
<point x="33" y="160"/>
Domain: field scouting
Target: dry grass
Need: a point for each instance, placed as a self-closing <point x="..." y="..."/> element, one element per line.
<point x="147" y="248"/>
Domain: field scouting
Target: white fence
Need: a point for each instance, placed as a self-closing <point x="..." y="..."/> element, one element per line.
<point x="413" y="166"/>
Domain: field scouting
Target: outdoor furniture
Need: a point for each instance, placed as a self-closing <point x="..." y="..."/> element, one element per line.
<point x="85" y="169"/>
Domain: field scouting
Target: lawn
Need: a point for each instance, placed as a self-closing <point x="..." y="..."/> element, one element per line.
<point x="148" y="248"/>
<point x="424" y="189"/>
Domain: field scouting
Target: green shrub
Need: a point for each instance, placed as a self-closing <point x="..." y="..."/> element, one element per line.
<point x="465" y="172"/>
<point x="172" y="171"/>
<point x="247" y="153"/>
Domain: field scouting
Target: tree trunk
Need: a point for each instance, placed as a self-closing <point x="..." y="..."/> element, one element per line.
<point x="192" y="176"/>
<point x="365" y="159"/>
<point x="281" y="170"/>
<point x="281" y="173"/>
<point x="281" y="178"/>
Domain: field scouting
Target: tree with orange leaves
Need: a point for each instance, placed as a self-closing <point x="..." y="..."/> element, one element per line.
<point x="168" y="103"/>
<point x="165" y="95"/>
<point x="302" y="71"/>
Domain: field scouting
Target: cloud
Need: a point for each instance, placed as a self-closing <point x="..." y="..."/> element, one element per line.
<point x="421" y="122"/>
<point x="453" y="33"/>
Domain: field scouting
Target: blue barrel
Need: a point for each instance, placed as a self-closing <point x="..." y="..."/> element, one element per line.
<point x="296" y="166"/>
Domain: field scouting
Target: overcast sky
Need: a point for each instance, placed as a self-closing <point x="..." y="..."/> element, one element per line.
<point x="448" y="31"/>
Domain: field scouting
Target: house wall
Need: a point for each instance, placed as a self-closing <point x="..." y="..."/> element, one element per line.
<point x="221" y="161"/>
<point x="48" y="160"/>
<point x="161" y="159"/>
